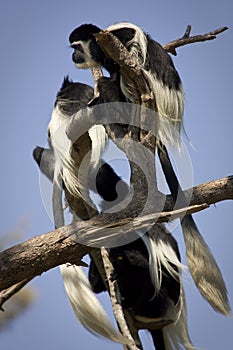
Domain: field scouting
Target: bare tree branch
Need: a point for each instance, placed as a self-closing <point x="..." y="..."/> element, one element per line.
<point x="112" y="286"/>
<point x="209" y="192"/>
<point x="41" y="253"/>
<point x="131" y="71"/>
<point x="186" y="39"/>
<point x="129" y="66"/>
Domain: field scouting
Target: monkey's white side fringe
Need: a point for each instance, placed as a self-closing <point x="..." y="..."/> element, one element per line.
<point x="86" y="306"/>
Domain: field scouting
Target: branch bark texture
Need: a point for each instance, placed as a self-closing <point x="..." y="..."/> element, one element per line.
<point x="41" y="253"/>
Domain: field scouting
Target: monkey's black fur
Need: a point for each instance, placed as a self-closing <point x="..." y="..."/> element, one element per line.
<point x="157" y="61"/>
<point x="166" y="86"/>
<point x="131" y="271"/>
<point x="131" y="262"/>
<point x="73" y="96"/>
<point x="131" y="266"/>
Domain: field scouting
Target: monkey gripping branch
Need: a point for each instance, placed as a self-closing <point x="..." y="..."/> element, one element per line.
<point x="21" y="263"/>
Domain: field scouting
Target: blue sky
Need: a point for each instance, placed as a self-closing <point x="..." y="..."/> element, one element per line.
<point x="34" y="58"/>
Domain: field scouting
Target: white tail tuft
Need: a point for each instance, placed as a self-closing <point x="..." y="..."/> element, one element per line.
<point x="176" y="334"/>
<point x="204" y="269"/>
<point x="86" y="306"/>
<point x="98" y="138"/>
<point x="161" y="254"/>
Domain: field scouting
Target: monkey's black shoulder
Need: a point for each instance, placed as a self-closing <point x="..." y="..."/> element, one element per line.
<point x="158" y="61"/>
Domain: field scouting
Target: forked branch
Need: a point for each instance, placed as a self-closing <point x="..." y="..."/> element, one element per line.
<point x="187" y="39"/>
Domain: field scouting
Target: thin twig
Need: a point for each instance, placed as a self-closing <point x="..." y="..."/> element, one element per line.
<point x="97" y="73"/>
<point x="116" y="302"/>
<point x="9" y="292"/>
<point x="187" y="39"/>
<point x="187" y="31"/>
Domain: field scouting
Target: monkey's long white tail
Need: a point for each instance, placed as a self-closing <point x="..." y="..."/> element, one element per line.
<point x="99" y="139"/>
<point x="162" y="254"/>
<point x="203" y="268"/>
<point x="176" y="334"/>
<point x="202" y="265"/>
<point x="86" y="306"/>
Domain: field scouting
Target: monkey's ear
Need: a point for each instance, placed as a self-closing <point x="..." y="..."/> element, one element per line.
<point x="66" y="82"/>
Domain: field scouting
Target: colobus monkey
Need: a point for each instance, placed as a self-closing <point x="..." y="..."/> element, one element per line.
<point x="72" y="98"/>
<point x="164" y="79"/>
<point x="169" y="96"/>
<point x="147" y="270"/>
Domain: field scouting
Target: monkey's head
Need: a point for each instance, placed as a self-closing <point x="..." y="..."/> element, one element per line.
<point x="87" y="53"/>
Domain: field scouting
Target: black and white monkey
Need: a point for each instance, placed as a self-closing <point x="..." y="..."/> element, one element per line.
<point x="147" y="270"/>
<point x="56" y="162"/>
<point x="169" y="96"/>
<point x="158" y="66"/>
<point x="148" y="273"/>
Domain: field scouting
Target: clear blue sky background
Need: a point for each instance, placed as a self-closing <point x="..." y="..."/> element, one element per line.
<point x="34" y="58"/>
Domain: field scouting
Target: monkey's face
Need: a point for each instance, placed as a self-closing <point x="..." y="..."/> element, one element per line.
<point x="87" y="54"/>
<point x="82" y="55"/>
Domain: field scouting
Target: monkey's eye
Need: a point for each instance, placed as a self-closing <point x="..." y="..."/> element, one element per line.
<point x="77" y="47"/>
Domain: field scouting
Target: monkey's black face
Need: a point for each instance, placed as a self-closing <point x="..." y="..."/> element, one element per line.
<point x="82" y="56"/>
<point x="87" y="54"/>
<point x="78" y="55"/>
